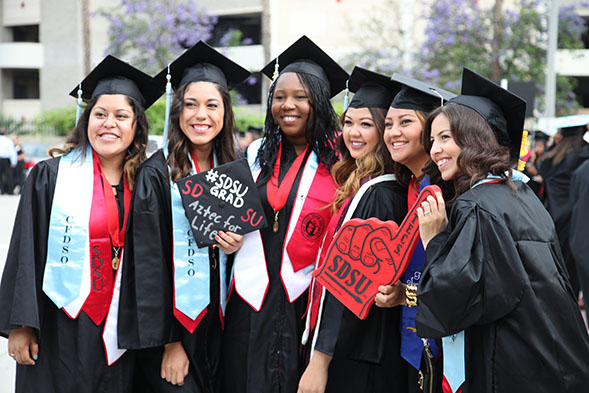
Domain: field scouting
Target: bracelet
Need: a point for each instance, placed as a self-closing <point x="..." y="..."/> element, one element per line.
<point x="411" y="295"/>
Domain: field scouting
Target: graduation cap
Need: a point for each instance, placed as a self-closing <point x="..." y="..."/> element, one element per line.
<point x="114" y="76"/>
<point x="202" y="63"/>
<point x="502" y="110"/>
<point x="540" y="136"/>
<point x="224" y="198"/>
<point x="304" y="57"/>
<point x="418" y="95"/>
<point x="373" y="90"/>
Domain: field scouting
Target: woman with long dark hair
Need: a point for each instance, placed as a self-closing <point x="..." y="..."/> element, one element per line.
<point x="556" y="169"/>
<point x="493" y="265"/>
<point x="272" y="270"/>
<point x="404" y="128"/>
<point x="60" y="287"/>
<point x="175" y="291"/>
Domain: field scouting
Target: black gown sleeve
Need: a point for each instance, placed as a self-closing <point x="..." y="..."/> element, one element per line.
<point x="473" y="274"/>
<point x="146" y="316"/>
<point x="384" y="201"/>
<point x="579" y="231"/>
<point x="21" y="295"/>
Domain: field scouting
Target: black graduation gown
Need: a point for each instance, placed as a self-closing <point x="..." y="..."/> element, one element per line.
<point x="557" y="181"/>
<point x="71" y="351"/>
<point x="366" y="353"/>
<point x="261" y="350"/>
<point x="146" y="319"/>
<point x="497" y="273"/>
<point x="579" y="231"/>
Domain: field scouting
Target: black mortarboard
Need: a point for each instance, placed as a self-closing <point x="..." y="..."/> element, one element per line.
<point x="373" y="90"/>
<point x="540" y="136"/>
<point x="418" y="95"/>
<point x="224" y="198"/>
<point x="504" y="111"/>
<point x="202" y="63"/>
<point x="572" y="131"/>
<point x="114" y="76"/>
<point x="304" y="57"/>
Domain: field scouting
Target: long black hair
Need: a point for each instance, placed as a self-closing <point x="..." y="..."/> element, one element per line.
<point x="321" y="128"/>
<point x="179" y="144"/>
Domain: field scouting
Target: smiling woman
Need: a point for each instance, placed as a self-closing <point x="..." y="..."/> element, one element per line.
<point x="179" y="312"/>
<point x="272" y="270"/>
<point x="59" y="294"/>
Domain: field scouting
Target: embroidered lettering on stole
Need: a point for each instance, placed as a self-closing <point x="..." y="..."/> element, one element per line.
<point x="191" y="267"/>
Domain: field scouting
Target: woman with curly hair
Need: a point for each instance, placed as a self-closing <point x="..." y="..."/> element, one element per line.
<point x="59" y="292"/>
<point x="175" y="292"/>
<point x="493" y="265"/>
<point x="272" y="270"/>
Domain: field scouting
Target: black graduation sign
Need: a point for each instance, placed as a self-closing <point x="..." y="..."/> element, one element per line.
<point x="225" y="199"/>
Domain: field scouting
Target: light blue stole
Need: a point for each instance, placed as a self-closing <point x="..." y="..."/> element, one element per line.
<point x="454" y="368"/>
<point x="191" y="264"/>
<point x="68" y="243"/>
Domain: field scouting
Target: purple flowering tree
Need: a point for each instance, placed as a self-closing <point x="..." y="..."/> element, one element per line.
<point x="151" y="33"/>
<point x="498" y="42"/>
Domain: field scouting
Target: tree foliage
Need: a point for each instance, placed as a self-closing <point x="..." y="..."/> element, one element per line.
<point x="460" y="33"/>
<point x="151" y="33"/>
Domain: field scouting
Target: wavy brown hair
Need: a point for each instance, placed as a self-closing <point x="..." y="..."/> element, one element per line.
<point x="179" y="145"/>
<point x="135" y="156"/>
<point x="564" y="147"/>
<point x="349" y="172"/>
<point x="481" y="152"/>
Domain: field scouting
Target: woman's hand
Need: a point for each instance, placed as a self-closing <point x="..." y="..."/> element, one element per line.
<point x="174" y="363"/>
<point x="390" y="295"/>
<point x="314" y="379"/>
<point x="23" y="346"/>
<point x="432" y="218"/>
<point x="228" y="242"/>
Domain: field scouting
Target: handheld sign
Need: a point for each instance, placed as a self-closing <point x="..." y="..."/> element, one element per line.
<point x="365" y="254"/>
<point x="225" y="199"/>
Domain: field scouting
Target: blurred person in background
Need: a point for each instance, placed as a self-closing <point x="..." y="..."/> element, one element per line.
<point x="19" y="169"/>
<point x="556" y="170"/>
<point x="8" y="161"/>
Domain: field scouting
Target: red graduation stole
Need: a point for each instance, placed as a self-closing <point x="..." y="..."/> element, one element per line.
<point x="104" y="235"/>
<point x="277" y="195"/>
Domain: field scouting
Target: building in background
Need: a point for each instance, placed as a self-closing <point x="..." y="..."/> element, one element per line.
<point x="47" y="46"/>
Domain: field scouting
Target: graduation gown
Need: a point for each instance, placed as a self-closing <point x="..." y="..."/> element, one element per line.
<point x="147" y="318"/>
<point x="261" y="350"/>
<point x="497" y="273"/>
<point x="557" y="182"/>
<point x="366" y="353"/>
<point x="71" y="351"/>
<point x="579" y="231"/>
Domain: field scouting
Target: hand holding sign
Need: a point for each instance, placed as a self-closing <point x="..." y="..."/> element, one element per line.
<point x="368" y="253"/>
<point x="222" y="199"/>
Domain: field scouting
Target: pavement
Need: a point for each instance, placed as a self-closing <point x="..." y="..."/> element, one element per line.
<point x="8" y="206"/>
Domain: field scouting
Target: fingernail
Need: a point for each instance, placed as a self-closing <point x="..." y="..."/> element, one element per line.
<point x="35" y="357"/>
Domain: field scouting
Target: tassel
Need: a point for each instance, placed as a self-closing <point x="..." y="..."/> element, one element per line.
<point x="347" y="97"/>
<point x="168" y="107"/>
<point x="276" y="73"/>
<point x="79" y="104"/>
<point x="439" y="95"/>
